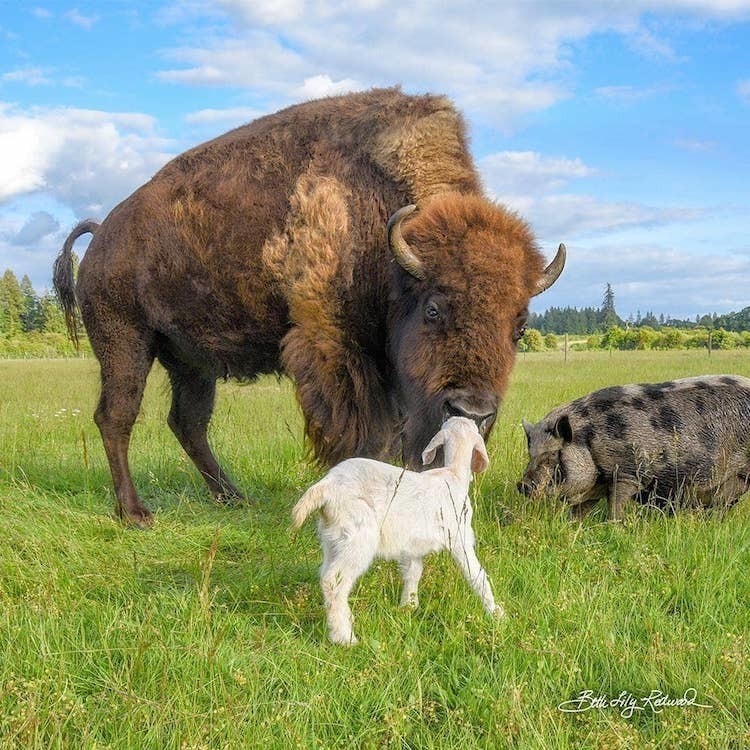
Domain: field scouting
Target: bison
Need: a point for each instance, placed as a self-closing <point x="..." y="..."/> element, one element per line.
<point x="266" y="250"/>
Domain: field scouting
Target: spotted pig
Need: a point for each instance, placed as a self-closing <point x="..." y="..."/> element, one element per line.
<point x="683" y="442"/>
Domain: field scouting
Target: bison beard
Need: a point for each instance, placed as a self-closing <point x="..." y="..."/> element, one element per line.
<point x="266" y="249"/>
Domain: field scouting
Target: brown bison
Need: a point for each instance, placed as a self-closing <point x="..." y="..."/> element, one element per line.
<point x="266" y="250"/>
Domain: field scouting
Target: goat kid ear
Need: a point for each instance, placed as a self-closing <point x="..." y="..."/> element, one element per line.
<point x="479" y="458"/>
<point x="428" y="454"/>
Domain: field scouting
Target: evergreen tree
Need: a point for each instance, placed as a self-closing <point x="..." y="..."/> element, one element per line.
<point x="11" y="304"/>
<point x="31" y="318"/>
<point x="609" y="316"/>
<point x="52" y="319"/>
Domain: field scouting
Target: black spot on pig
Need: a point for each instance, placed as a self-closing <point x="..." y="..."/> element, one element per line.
<point x="654" y="391"/>
<point x="728" y="380"/>
<point x="585" y="435"/>
<point x="614" y="425"/>
<point x="669" y="419"/>
<point x="639" y="403"/>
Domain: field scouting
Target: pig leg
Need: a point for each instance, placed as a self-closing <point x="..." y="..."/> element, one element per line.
<point x="620" y="492"/>
<point x="580" y="511"/>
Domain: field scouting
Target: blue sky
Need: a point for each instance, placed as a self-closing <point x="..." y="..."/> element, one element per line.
<point x="620" y="128"/>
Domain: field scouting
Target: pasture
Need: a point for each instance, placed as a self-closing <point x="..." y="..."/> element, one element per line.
<point x="208" y="631"/>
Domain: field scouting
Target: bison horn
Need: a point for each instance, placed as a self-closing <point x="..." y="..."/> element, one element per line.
<point x="552" y="272"/>
<point x="400" y="247"/>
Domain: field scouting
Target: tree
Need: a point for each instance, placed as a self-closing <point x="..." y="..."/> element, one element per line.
<point x="11" y="304"/>
<point x="31" y="317"/>
<point x="609" y="316"/>
<point x="51" y="316"/>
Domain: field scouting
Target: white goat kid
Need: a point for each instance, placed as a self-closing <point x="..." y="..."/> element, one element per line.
<point x="371" y="509"/>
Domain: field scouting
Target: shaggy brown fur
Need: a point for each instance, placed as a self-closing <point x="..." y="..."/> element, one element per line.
<point x="265" y="250"/>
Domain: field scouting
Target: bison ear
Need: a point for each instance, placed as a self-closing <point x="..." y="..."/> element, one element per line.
<point x="562" y="429"/>
<point x="428" y="454"/>
<point x="479" y="458"/>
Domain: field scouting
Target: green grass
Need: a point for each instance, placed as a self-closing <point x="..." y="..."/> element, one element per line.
<point x="208" y="630"/>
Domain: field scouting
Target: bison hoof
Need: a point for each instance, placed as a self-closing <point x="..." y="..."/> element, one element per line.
<point x="140" y="518"/>
<point x="230" y="497"/>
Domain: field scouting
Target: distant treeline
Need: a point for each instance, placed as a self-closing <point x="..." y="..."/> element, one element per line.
<point x="591" y="320"/>
<point x="640" y="337"/>
<point x="31" y="324"/>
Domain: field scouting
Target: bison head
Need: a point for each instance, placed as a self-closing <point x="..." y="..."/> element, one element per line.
<point x="464" y="273"/>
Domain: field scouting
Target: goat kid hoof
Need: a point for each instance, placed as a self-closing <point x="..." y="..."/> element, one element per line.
<point x="344" y="640"/>
<point x="498" y="613"/>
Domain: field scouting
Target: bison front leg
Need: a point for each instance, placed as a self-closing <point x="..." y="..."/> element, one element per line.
<point x="192" y="405"/>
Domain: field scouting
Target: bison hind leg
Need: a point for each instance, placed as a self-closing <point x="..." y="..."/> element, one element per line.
<point x="125" y="356"/>
<point x="193" y="396"/>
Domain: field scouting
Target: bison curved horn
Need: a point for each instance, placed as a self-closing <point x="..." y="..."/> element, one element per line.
<point x="400" y="247"/>
<point x="552" y="272"/>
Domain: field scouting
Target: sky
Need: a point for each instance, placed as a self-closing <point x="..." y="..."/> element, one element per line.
<point x="621" y="128"/>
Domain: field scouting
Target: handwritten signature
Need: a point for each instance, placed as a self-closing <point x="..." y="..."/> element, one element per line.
<point x="628" y="704"/>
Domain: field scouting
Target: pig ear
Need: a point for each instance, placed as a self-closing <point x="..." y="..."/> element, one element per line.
<point x="479" y="458"/>
<point x="428" y="454"/>
<point x="526" y="427"/>
<point x="563" y="429"/>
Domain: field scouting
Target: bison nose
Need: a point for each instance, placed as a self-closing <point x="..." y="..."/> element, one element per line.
<point x="480" y="407"/>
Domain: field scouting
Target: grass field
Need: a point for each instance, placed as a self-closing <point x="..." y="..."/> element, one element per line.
<point x="208" y="630"/>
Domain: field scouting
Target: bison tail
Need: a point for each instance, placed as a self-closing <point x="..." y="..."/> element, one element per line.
<point x="63" y="277"/>
<point x="312" y="500"/>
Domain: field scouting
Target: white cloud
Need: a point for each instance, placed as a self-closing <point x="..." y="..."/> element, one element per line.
<point x="631" y="93"/>
<point x="500" y="61"/>
<point x="316" y="87"/>
<point x="230" y="117"/>
<point x="32" y="76"/>
<point x="77" y="18"/>
<point x="37" y="227"/>
<point x="695" y="145"/>
<point x="41" y="13"/>
<point x="272" y="12"/>
<point x="86" y="159"/>
<point x="575" y="216"/>
<point x="743" y="90"/>
<point x="686" y="283"/>
<point x="524" y="174"/>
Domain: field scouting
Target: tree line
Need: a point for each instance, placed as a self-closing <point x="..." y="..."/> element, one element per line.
<point x="590" y="320"/>
<point x="31" y="324"/>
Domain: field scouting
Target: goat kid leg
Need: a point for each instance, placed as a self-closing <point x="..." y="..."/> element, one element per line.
<point x="411" y="572"/>
<point x="342" y="566"/>
<point x="475" y="574"/>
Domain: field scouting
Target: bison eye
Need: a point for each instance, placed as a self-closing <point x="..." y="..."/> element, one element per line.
<point x="431" y="312"/>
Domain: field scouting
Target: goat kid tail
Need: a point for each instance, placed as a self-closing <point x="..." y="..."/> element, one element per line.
<point x="314" y="499"/>
<point x="63" y="277"/>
